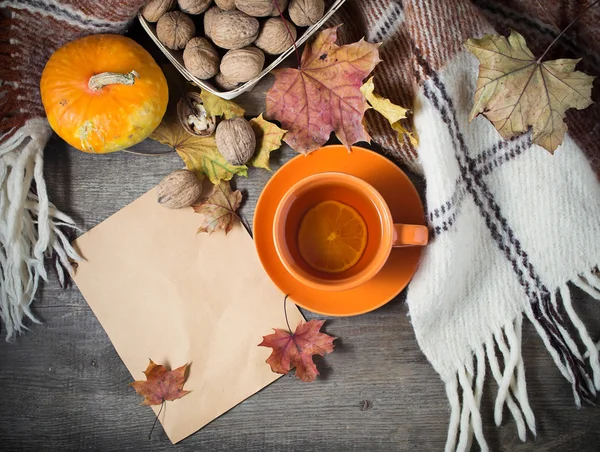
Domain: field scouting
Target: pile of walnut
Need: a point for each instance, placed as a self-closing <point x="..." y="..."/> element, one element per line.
<point x="244" y="29"/>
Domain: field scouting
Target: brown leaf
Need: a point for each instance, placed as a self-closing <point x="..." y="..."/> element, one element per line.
<point x="515" y="90"/>
<point x="324" y="94"/>
<point x="161" y="384"/>
<point x="296" y="350"/>
<point x="268" y="139"/>
<point x="219" y="209"/>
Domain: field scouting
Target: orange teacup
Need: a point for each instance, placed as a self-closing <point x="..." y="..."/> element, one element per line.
<point x="381" y="232"/>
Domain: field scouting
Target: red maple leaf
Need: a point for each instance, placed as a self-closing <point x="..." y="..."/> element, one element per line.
<point x="296" y="350"/>
<point x="324" y="94"/>
<point x="161" y="384"/>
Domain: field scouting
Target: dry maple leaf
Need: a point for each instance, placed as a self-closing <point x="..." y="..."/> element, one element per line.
<point x="324" y="94"/>
<point x="216" y="106"/>
<point x="515" y="90"/>
<point x="219" y="209"/>
<point x="200" y="154"/>
<point x="161" y="384"/>
<point x="268" y="139"/>
<point x="390" y="111"/>
<point x="296" y="350"/>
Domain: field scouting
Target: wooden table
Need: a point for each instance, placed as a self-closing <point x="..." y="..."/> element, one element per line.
<point x="63" y="387"/>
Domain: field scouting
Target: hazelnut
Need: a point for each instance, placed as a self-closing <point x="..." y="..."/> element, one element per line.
<point x="234" y="30"/>
<point x="226" y="5"/>
<point x="201" y="58"/>
<point x="194" y="6"/>
<point x="274" y="37"/>
<point x="210" y="17"/>
<point x="154" y="9"/>
<point x="175" y="29"/>
<point x="179" y="189"/>
<point x="260" y="8"/>
<point x="236" y="140"/>
<point x="241" y="65"/>
<point x="306" y="12"/>
<point x="224" y="84"/>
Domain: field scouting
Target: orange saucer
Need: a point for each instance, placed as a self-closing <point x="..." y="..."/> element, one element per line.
<point x="404" y="203"/>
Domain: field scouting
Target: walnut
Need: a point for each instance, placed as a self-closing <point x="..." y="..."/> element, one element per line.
<point x="201" y="58"/>
<point x="274" y="37"/>
<point x="175" y="29"/>
<point x="260" y="8"/>
<point x="306" y="12"/>
<point x="210" y="17"/>
<point x="193" y="116"/>
<point x="194" y="6"/>
<point x="226" y="5"/>
<point x="154" y="9"/>
<point x="241" y="65"/>
<point x="224" y="84"/>
<point x="234" y="30"/>
<point x="236" y="140"/>
<point x="179" y="189"/>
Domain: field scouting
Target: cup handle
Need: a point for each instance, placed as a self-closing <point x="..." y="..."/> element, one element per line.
<point x="410" y="235"/>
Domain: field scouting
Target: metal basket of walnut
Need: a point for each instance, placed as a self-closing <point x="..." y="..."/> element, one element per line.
<point x="227" y="46"/>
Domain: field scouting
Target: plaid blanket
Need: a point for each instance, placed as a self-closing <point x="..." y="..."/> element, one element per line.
<point x="512" y="226"/>
<point x="30" y="226"/>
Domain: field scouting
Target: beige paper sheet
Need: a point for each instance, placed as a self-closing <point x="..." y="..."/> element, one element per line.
<point x="162" y="292"/>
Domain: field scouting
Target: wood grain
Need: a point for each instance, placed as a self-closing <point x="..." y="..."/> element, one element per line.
<point x="63" y="387"/>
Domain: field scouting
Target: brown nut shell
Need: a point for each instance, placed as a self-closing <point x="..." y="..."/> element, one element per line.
<point x="225" y="84"/>
<point x="306" y="12"/>
<point x="201" y="58"/>
<point x="193" y="116"/>
<point x="154" y="9"/>
<point x="234" y="30"/>
<point x="241" y="65"/>
<point x="236" y="140"/>
<point x="193" y="6"/>
<point x="174" y="29"/>
<point x="209" y="18"/>
<point x="260" y="8"/>
<point x="179" y="189"/>
<point x="274" y="37"/>
<point x="226" y="5"/>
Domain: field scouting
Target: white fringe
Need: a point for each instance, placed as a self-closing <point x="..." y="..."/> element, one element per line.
<point x="511" y="389"/>
<point x="29" y="225"/>
<point x="465" y="417"/>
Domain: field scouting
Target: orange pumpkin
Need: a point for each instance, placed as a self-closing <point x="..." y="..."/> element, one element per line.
<point x="103" y="93"/>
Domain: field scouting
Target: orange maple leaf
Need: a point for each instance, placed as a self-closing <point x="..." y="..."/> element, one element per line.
<point x="161" y="384"/>
<point x="324" y="94"/>
<point x="296" y="350"/>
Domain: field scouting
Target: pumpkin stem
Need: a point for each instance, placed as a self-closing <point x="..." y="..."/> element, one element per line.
<point x="99" y="81"/>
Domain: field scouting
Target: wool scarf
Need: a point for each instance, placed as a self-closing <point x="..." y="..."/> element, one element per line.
<point x="513" y="228"/>
<point x="31" y="228"/>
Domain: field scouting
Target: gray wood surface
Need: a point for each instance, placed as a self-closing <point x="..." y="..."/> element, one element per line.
<point x="63" y="387"/>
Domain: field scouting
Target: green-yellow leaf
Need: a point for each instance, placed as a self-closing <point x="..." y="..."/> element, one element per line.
<point x="268" y="139"/>
<point x="390" y="111"/>
<point x="215" y="106"/>
<point x="515" y="90"/>
<point x="199" y="154"/>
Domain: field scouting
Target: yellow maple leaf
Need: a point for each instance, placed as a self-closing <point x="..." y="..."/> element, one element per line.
<point x="268" y="139"/>
<point x="515" y="90"/>
<point x="390" y="111"/>
<point x="216" y="106"/>
<point x="200" y="154"/>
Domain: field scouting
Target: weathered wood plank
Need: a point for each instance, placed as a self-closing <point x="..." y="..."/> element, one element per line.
<point x="63" y="387"/>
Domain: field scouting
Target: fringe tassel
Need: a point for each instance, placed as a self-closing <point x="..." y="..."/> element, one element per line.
<point x="465" y="417"/>
<point x="30" y="230"/>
